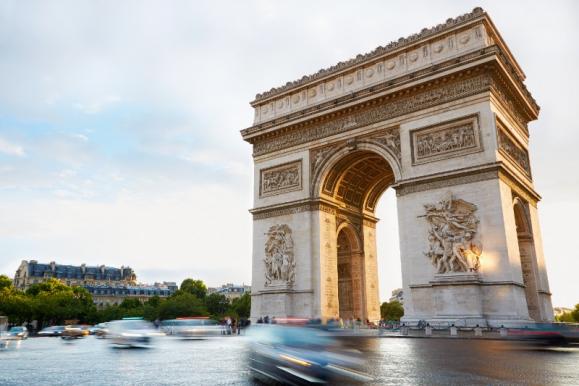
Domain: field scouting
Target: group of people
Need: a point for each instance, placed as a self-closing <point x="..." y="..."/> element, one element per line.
<point x="266" y="320"/>
<point x="234" y="326"/>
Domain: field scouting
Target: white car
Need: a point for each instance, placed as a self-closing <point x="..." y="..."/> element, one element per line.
<point x="193" y="328"/>
<point x="132" y="332"/>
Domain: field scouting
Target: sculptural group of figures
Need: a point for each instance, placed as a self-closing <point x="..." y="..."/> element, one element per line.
<point x="453" y="227"/>
<point x="280" y="179"/>
<point x="447" y="140"/>
<point x="279" y="256"/>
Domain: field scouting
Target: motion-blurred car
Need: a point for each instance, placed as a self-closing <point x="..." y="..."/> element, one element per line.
<point x="302" y="356"/>
<point x="18" y="332"/>
<point x="560" y="334"/>
<point x="73" y="332"/>
<point x="132" y="332"/>
<point x="101" y="330"/>
<point x="192" y="328"/>
<point x="51" y="331"/>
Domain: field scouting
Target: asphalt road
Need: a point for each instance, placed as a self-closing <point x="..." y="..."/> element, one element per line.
<point x="392" y="361"/>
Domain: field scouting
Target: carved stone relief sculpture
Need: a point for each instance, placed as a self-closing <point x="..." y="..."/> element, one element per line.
<point x="279" y="256"/>
<point x="517" y="153"/>
<point x="451" y="237"/>
<point x="446" y="140"/>
<point x="391" y="140"/>
<point x="281" y="179"/>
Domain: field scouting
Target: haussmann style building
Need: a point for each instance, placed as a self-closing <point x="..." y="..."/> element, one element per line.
<point x="107" y="285"/>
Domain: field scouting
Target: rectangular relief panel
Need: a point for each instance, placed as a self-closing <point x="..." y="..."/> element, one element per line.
<point x="281" y="179"/>
<point x="512" y="149"/>
<point x="446" y="140"/>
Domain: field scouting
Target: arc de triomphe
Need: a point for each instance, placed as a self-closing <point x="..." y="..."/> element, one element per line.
<point x="441" y="117"/>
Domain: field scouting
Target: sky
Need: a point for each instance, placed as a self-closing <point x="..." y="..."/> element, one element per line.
<point x="119" y="124"/>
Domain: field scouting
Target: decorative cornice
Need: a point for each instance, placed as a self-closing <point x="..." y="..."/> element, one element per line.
<point x="378" y="52"/>
<point x="470" y="282"/>
<point x="417" y="98"/>
<point x="443" y="180"/>
<point x="300" y="206"/>
<point x="496" y="170"/>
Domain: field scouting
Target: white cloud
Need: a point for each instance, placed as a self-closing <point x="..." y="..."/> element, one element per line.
<point x="10" y="148"/>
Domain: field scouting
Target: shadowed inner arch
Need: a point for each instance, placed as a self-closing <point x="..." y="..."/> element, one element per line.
<point x="358" y="180"/>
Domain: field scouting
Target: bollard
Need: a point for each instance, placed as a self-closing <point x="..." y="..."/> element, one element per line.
<point x="453" y="330"/>
<point x="477" y="331"/>
<point x="428" y="330"/>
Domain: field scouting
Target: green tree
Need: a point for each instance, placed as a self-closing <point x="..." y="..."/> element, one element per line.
<point x="129" y="303"/>
<point x="575" y="313"/>
<point x="569" y="317"/>
<point x="5" y="282"/>
<point x="182" y="305"/>
<point x="391" y="310"/>
<point x="15" y="305"/>
<point x="194" y="287"/>
<point x="50" y="286"/>
<point x="217" y="304"/>
<point x="242" y="305"/>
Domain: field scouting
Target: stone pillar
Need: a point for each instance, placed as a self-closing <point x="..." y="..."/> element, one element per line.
<point x="544" y="293"/>
<point x="371" y="290"/>
<point x="493" y="293"/>
<point x="327" y="281"/>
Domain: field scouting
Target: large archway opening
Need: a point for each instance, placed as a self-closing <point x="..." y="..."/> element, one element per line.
<point x="355" y="182"/>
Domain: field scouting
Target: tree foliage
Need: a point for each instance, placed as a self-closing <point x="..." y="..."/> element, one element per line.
<point x="569" y="317"/>
<point x="391" y="310"/>
<point x="182" y="305"/>
<point x="5" y="282"/>
<point x="194" y="287"/>
<point x="217" y="304"/>
<point x="53" y="302"/>
<point x="242" y="305"/>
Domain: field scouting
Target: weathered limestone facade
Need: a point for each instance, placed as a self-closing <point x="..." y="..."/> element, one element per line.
<point x="440" y="116"/>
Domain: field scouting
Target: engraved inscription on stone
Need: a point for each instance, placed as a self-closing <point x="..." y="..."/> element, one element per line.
<point x="446" y="140"/>
<point x="513" y="150"/>
<point x="281" y="179"/>
<point x="451" y="237"/>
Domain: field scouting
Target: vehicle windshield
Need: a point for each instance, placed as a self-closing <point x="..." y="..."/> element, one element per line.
<point x="17" y="329"/>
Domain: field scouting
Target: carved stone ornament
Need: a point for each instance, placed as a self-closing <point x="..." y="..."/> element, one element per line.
<point x="281" y="179"/>
<point x="449" y="139"/>
<point x="513" y="150"/>
<point x="451" y="237"/>
<point x="391" y="140"/>
<point x="279" y="257"/>
<point x="397" y="106"/>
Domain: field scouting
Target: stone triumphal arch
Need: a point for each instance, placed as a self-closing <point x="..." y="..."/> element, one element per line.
<point x="442" y="117"/>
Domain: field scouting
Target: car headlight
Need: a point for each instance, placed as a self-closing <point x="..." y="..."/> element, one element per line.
<point x="295" y="360"/>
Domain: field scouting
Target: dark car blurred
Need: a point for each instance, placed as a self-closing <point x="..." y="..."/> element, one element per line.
<point x="51" y="331"/>
<point x="18" y="332"/>
<point x="302" y="356"/>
